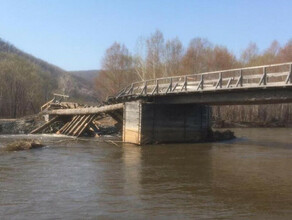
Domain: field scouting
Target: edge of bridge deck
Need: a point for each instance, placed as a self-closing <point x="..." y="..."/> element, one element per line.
<point x="236" y="80"/>
<point x="85" y="111"/>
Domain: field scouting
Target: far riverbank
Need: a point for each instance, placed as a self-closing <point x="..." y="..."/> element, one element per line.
<point x="26" y="124"/>
<point x="254" y="124"/>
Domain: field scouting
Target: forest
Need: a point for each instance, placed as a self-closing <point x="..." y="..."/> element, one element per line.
<point x="23" y="87"/>
<point x="27" y="82"/>
<point x="154" y="56"/>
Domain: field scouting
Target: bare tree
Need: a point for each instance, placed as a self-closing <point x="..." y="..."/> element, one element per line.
<point x="155" y="53"/>
<point x="173" y="57"/>
<point x="117" y="70"/>
<point x="285" y="53"/>
<point x="139" y="59"/>
<point x="195" y="59"/>
<point x="250" y="53"/>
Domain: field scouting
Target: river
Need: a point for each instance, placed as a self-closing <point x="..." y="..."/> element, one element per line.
<point x="246" y="178"/>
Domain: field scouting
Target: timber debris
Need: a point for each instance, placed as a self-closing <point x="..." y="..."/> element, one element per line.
<point x="75" y="119"/>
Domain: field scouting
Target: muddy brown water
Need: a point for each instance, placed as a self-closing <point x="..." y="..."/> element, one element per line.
<point x="246" y="178"/>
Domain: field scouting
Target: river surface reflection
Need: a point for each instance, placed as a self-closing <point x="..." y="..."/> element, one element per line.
<point x="247" y="178"/>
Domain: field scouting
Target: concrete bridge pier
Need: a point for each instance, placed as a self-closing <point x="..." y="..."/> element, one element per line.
<point x="145" y="123"/>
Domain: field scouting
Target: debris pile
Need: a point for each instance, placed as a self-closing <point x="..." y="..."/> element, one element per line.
<point x="221" y="135"/>
<point x="24" y="144"/>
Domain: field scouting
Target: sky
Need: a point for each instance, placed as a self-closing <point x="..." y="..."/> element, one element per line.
<point x="74" y="34"/>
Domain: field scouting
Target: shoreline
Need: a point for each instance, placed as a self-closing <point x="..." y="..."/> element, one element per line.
<point x="26" y="124"/>
<point x="231" y="124"/>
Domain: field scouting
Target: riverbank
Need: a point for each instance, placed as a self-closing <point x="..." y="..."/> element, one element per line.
<point x="254" y="124"/>
<point x="25" y="125"/>
<point x="108" y="125"/>
<point x="105" y="125"/>
<point x="20" y="125"/>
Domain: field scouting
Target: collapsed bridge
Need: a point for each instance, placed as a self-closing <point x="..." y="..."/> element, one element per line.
<point x="177" y="109"/>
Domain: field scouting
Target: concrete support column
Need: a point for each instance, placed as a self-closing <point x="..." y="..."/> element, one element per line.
<point x="146" y="123"/>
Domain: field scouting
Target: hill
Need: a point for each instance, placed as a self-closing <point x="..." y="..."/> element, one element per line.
<point x="88" y="75"/>
<point x="40" y="77"/>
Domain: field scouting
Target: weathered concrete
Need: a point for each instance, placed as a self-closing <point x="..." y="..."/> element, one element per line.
<point x="132" y="122"/>
<point x="151" y="123"/>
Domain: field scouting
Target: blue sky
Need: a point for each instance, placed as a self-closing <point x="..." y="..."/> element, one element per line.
<point x="74" y="34"/>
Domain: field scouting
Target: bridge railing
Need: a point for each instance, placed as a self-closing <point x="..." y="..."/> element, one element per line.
<point x="249" y="77"/>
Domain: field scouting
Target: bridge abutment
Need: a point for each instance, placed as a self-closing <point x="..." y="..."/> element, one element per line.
<point x="146" y="123"/>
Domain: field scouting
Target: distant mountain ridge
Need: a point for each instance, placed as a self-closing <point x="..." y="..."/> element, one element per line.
<point x="88" y="75"/>
<point x="77" y="87"/>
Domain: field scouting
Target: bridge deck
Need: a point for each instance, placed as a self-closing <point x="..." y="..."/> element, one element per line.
<point x="268" y="76"/>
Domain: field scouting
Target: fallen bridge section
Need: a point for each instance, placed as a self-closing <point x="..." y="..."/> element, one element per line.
<point x="77" y="125"/>
<point x="86" y="111"/>
<point x="78" y="121"/>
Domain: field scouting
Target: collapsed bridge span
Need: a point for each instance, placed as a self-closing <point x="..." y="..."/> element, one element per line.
<point x="177" y="109"/>
<point x="79" y="119"/>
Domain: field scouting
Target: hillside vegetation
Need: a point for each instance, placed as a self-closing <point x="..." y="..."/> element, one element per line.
<point x="88" y="75"/>
<point x="27" y="82"/>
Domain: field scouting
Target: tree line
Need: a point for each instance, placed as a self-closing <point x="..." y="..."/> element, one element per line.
<point x="154" y="56"/>
<point x="24" y="87"/>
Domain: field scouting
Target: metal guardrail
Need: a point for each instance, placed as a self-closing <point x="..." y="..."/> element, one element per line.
<point x="249" y="77"/>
